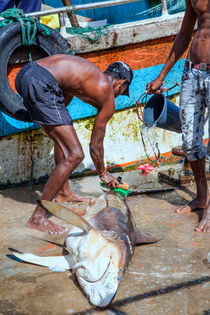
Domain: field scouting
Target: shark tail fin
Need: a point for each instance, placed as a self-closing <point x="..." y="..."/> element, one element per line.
<point x="66" y="214"/>
<point x="54" y="263"/>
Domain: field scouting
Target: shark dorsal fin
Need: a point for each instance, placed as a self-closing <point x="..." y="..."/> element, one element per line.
<point x="66" y="214"/>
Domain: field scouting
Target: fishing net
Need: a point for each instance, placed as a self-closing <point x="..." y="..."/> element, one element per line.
<point x="173" y="6"/>
<point x="85" y="32"/>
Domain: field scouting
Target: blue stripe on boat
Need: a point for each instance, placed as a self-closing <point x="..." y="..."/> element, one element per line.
<point x="79" y="109"/>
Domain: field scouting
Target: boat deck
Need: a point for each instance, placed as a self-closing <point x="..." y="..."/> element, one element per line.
<point x="170" y="277"/>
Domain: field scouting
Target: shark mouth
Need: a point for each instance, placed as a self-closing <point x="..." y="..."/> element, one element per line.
<point x="92" y="281"/>
<point x="101" y="291"/>
<point x="86" y="273"/>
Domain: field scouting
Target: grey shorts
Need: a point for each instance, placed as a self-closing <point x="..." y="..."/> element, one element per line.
<point x="194" y="99"/>
<point x="42" y="95"/>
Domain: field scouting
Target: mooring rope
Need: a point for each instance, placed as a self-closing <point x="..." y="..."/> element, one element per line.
<point x="29" y="25"/>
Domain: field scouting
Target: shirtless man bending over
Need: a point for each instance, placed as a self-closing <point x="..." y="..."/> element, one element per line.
<point x="47" y="86"/>
<point x="194" y="97"/>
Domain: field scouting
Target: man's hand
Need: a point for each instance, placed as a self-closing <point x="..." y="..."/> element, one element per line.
<point x="109" y="180"/>
<point x="153" y="87"/>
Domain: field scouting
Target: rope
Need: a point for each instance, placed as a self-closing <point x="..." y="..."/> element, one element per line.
<point x="27" y="24"/>
<point x="139" y="103"/>
<point x="157" y="156"/>
<point x="83" y="32"/>
<point x="142" y="99"/>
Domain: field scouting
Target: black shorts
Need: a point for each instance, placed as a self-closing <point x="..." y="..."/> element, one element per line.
<point x="42" y="95"/>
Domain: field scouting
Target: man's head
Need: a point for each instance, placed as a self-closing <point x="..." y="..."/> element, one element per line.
<point x="119" y="70"/>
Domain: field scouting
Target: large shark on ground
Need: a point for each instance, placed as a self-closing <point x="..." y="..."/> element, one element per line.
<point x="100" y="246"/>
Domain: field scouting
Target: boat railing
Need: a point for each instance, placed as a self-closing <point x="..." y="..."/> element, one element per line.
<point x="68" y="9"/>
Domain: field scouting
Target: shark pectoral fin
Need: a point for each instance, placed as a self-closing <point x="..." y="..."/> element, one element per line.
<point x="145" y="239"/>
<point x="66" y="214"/>
<point x="54" y="263"/>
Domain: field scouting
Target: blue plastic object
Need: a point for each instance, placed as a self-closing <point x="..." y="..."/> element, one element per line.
<point x="163" y="113"/>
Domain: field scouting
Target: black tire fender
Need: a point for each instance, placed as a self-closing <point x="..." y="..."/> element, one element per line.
<point x="11" y="39"/>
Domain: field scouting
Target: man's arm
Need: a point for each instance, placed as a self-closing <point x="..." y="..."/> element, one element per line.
<point x="97" y="138"/>
<point x="180" y="45"/>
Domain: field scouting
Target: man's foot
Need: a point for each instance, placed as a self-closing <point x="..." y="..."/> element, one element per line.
<point x="204" y="225"/>
<point x="192" y="205"/>
<point x="45" y="225"/>
<point x="73" y="198"/>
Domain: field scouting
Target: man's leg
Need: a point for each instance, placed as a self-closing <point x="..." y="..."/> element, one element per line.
<point x="192" y="110"/>
<point x="65" y="137"/>
<point x="204" y="225"/>
<point x="65" y="193"/>
<point x="200" y="201"/>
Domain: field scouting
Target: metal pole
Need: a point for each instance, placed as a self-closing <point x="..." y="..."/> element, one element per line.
<point x="71" y="15"/>
<point x="164" y="7"/>
<point x="62" y="24"/>
<point x="79" y="7"/>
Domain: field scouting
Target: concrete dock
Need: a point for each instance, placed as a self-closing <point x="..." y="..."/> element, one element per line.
<point x="170" y="277"/>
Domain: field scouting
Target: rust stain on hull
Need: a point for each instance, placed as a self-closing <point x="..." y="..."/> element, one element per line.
<point x="138" y="56"/>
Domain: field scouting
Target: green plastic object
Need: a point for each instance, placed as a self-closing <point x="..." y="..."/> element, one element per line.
<point x="121" y="191"/>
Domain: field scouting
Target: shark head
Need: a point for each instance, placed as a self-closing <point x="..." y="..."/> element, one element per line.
<point x="100" y="259"/>
<point x="99" y="252"/>
<point x="99" y="266"/>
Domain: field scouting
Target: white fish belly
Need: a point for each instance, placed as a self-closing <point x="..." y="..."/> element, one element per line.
<point x="97" y="261"/>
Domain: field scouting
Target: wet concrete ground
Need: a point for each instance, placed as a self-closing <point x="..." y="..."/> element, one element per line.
<point x="170" y="277"/>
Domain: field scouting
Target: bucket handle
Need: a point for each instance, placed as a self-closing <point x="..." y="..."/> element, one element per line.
<point x="143" y="99"/>
<point x="139" y="103"/>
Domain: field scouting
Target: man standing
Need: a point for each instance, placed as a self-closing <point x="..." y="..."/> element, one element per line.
<point x="47" y="86"/>
<point x="194" y="97"/>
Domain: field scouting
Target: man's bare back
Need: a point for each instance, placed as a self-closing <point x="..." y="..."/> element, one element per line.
<point x="78" y="77"/>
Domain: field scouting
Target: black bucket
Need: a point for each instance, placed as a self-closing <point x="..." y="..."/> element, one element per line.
<point x="163" y="113"/>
